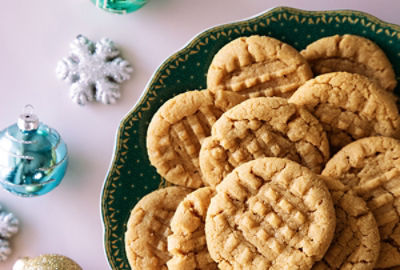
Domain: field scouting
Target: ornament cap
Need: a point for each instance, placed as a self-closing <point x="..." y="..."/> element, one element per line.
<point x="28" y="121"/>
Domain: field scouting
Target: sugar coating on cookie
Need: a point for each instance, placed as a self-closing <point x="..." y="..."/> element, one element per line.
<point x="263" y="127"/>
<point x="350" y="107"/>
<point x="356" y="242"/>
<point x="149" y="226"/>
<point x="258" y="66"/>
<point x="187" y="243"/>
<point x="177" y="130"/>
<point x="270" y="213"/>
<point x="353" y="54"/>
<point x="371" y="168"/>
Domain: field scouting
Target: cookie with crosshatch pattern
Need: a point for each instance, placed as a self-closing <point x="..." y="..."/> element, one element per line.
<point x="149" y="226"/>
<point x="263" y="127"/>
<point x="353" y="54"/>
<point x="270" y="213"/>
<point x="187" y="243"/>
<point x="349" y="107"/>
<point x="356" y="242"/>
<point x="371" y="168"/>
<point x="178" y="128"/>
<point x="258" y="66"/>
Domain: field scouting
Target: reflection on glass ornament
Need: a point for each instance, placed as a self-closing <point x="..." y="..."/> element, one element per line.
<point x="119" y="6"/>
<point x="33" y="157"/>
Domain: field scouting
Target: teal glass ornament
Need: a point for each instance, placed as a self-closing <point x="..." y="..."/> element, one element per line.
<point x="119" y="6"/>
<point x="33" y="157"/>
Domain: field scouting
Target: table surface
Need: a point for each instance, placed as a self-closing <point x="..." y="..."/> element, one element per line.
<point x="35" y="35"/>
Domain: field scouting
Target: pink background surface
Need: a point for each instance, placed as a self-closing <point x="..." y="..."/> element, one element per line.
<point x="34" y="35"/>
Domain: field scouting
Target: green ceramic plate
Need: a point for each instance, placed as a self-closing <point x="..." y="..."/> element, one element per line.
<point x="130" y="176"/>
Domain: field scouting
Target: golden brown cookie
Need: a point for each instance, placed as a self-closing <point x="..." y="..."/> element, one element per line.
<point x="270" y="213"/>
<point x="356" y="243"/>
<point x="353" y="54"/>
<point x="350" y="107"/>
<point x="178" y="128"/>
<point x="149" y="226"/>
<point x="371" y="167"/>
<point x="258" y="66"/>
<point x="187" y="243"/>
<point x="263" y="127"/>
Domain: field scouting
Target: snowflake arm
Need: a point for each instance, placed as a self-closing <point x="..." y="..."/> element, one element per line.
<point x="8" y="224"/>
<point x="81" y="93"/>
<point x="107" y="92"/>
<point x="120" y="70"/>
<point x="82" y="48"/>
<point x="106" y="49"/>
<point x="8" y="227"/>
<point x="5" y="250"/>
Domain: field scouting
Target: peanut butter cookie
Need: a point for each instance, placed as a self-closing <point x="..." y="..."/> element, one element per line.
<point x="178" y="128"/>
<point x="270" y="213"/>
<point x="356" y="242"/>
<point x="149" y="226"/>
<point x="258" y="66"/>
<point x="187" y="243"/>
<point x="371" y="168"/>
<point x="263" y="127"/>
<point x="353" y="54"/>
<point x="350" y="107"/>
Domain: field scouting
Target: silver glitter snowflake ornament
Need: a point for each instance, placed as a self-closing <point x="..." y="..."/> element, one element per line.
<point x="8" y="227"/>
<point x="94" y="70"/>
<point x="5" y="250"/>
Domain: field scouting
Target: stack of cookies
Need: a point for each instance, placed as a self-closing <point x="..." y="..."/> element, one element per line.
<point x="289" y="160"/>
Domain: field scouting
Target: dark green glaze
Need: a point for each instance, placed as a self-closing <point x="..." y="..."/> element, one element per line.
<point x="130" y="176"/>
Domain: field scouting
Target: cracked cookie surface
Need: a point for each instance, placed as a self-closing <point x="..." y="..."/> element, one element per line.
<point x="263" y="127"/>
<point x="187" y="243"/>
<point x="356" y="243"/>
<point x="353" y="54"/>
<point x="350" y="107"/>
<point x="371" y="168"/>
<point x="258" y="66"/>
<point x="177" y="129"/>
<point x="270" y="213"/>
<point x="149" y="226"/>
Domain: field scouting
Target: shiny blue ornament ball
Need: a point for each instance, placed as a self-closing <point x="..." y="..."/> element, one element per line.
<point x="33" y="157"/>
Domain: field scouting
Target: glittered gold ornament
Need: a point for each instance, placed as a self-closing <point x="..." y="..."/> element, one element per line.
<point x="46" y="262"/>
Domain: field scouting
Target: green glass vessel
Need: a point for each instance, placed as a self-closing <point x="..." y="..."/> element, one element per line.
<point x="119" y="6"/>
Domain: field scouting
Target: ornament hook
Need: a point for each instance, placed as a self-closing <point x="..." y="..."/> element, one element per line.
<point x="28" y="110"/>
<point x="28" y="121"/>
